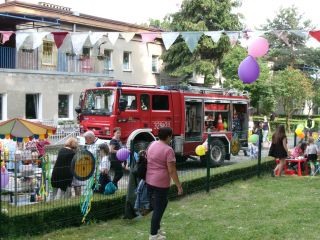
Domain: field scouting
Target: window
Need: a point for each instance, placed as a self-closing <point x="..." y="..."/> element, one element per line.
<point x="63" y="106"/>
<point x="48" y="53"/>
<point x="108" y="60"/>
<point x="1" y="107"/>
<point x="160" y="102"/>
<point x="32" y="106"/>
<point x="155" y="64"/>
<point x="145" y="102"/>
<point x="131" y="101"/>
<point x="86" y="52"/>
<point x="98" y="102"/>
<point x="126" y="65"/>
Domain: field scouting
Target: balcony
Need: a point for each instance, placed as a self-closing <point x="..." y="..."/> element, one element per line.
<point x="53" y="62"/>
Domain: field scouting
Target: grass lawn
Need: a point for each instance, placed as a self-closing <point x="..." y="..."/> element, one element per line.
<point x="266" y="208"/>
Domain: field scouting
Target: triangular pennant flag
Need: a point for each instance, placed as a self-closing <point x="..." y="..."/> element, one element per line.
<point x="95" y="36"/>
<point x="59" y="37"/>
<point x="301" y="33"/>
<point x="191" y="39"/>
<point x="315" y="35"/>
<point x="6" y="35"/>
<point x="37" y="39"/>
<point x="113" y="37"/>
<point x="215" y="35"/>
<point x="78" y="39"/>
<point x="20" y="38"/>
<point x="233" y="37"/>
<point x="168" y="38"/>
<point x="255" y="34"/>
<point x="282" y="35"/>
<point x="148" y="37"/>
<point x="128" y="36"/>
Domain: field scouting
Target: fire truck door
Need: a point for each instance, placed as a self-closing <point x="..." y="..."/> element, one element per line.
<point x="161" y="112"/>
<point x="129" y="120"/>
<point x="194" y="120"/>
<point x="145" y="111"/>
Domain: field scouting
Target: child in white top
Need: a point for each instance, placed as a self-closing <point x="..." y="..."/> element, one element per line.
<point x="104" y="167"/>
<point x="311" y="152"/>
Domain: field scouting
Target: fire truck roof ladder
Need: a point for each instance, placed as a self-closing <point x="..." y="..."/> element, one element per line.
<point x="206" y="90"/>
<point x="235" y="92"/>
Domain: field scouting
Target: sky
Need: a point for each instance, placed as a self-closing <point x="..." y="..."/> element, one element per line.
<point x="140" y="11"/>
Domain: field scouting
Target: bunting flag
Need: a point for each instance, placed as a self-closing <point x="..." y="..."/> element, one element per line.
<point x="113" y="37"/>
<point x="95" y="37"/>
<point x="315" y="35"/>
<point x="37" y="38"/>
<point x="148" y="37"/>
<point x="20" y="38"/>
<point x="215" y="35"/>
<point x="233" y="37"/>
<point x="78" y="39"/>
<point x="127" y="36"/>
<point x="282" y="35"/>
<point x="5" y="36"/>
<point x="191" y="39"/>
<point x="169" y="38"/>
<point x="59" y="37"/>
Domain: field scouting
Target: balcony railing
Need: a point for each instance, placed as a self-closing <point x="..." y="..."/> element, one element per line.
<point x="59" y="62"/>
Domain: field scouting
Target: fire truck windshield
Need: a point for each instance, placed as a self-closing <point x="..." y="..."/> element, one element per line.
<point x="98" y="102"/>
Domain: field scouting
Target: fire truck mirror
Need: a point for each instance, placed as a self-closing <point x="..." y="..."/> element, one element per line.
<point x="123" y="104"/>
<point x="78" y="109"/>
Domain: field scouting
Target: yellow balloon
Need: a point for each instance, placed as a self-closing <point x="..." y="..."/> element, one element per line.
<point x="315" y="135"/>
<point x="200" y="150"/>
<point x="298" y="131"/>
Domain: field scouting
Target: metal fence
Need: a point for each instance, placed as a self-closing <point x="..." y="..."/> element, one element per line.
<point x="28" y="188"/>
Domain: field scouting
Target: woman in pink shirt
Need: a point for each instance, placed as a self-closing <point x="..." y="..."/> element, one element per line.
<point x="161" y="167"/>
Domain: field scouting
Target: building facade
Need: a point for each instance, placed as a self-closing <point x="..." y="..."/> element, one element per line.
<point x="45" y="83"/>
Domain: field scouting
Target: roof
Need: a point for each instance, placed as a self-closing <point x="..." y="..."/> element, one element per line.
<point x="9" y="21"/>
<point x="16" y="7"/>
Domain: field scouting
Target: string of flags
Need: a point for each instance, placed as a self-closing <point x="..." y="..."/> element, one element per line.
<point x="79" y="39"/>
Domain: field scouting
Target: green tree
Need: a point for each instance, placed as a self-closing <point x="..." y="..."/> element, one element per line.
<point x="288" y="49"/>
<point x="292" y="88"/>
<point x="261" y="93"/>
<point x="200" y="15"/>
<point x="294" y="53"/>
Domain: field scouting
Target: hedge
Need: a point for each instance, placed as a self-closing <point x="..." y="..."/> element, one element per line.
<point x="104" y="209"/>
<point x="293" y="123"/>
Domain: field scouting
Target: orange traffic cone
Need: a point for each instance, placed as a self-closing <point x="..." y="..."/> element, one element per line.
<point x="220" y="126"/>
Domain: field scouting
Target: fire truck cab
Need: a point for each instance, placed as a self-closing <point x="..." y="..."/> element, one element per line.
<point x="192" y="113"/>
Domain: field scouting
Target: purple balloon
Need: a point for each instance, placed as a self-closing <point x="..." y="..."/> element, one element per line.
<point x="248" y="70"/>
<point x="123" y="154"/>
<point x="4" y="177"/>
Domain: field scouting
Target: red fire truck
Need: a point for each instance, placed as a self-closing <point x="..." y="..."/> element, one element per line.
<point x="192" y="113"/>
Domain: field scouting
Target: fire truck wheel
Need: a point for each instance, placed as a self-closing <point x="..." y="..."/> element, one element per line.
<point x="140" y="145"/>
<point x="217" y="153"/>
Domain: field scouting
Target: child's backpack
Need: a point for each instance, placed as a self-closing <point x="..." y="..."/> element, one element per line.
<point x="141" y="165"/>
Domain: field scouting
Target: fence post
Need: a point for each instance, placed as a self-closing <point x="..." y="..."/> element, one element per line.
<point x="208" y="164"/>
<point x="259" y="152"/>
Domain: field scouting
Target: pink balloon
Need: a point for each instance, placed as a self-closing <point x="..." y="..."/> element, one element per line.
<point x="4" y="177"/>
<point x="258" y="47"/>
